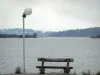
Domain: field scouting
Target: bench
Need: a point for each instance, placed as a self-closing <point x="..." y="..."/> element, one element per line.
<point x="66" y="68"/>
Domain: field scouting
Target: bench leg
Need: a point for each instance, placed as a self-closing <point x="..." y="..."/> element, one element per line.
<point x="67" y="71"/>
<point x="42" y="70"/>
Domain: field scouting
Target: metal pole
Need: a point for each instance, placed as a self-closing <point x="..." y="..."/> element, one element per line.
<point x="24" y="16"/>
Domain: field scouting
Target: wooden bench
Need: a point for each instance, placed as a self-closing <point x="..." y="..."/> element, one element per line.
<point x="66" y="68"/>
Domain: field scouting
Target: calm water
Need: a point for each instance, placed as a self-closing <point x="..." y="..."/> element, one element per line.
<point x="85" y="51"/>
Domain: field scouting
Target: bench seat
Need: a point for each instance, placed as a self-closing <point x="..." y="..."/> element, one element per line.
<point x="54" y="67"/>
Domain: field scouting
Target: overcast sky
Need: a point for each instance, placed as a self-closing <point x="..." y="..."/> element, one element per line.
<point x="50" y="14"/>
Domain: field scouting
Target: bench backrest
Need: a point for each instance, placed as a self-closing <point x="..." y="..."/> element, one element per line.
<point x="56" y="59"/>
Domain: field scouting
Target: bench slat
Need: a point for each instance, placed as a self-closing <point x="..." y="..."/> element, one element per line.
<point x="54" y="67"/>
<point x="56" y="59"/>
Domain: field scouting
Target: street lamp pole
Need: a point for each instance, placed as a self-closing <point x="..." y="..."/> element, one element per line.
<point x="24" y="16"/>
<point x="27" y="11"/>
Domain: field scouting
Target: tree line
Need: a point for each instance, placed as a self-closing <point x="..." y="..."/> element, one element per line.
<point x="17" y="36"/>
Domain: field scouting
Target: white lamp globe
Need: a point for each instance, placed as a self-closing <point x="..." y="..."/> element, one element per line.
<point x="28" y="11"/>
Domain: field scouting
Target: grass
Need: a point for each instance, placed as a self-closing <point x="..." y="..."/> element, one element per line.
<point x="18" y="71"/>
<point x="86" y="73"/>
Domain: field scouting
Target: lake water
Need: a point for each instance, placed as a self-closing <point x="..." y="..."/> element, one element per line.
<point x="85" y="51"/>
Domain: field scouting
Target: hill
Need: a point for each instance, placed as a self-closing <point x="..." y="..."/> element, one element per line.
<point x="88" y="32"/>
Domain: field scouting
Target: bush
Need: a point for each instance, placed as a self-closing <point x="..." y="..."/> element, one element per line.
<point x="18" y="70"/>
<point x="98" y="73"/>
<point x="86" y="73"/>
<point x="74" y="73"/>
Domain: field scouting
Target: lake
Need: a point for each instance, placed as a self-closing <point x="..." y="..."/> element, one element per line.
<point x="85" y="51"/>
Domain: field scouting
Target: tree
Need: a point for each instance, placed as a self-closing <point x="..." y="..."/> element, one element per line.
<point x="35" y="35"/>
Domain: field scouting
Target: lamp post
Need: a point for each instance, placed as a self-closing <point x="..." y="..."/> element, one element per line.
<point x="27" y="11"/>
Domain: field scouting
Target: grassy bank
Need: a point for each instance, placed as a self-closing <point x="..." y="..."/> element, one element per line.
<point x="86" y="73"/>
<point x="18" y="71"/>
<point x="82" y="73"/>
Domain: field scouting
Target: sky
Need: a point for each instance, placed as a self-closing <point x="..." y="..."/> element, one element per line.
<point x="50" y="15"/>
